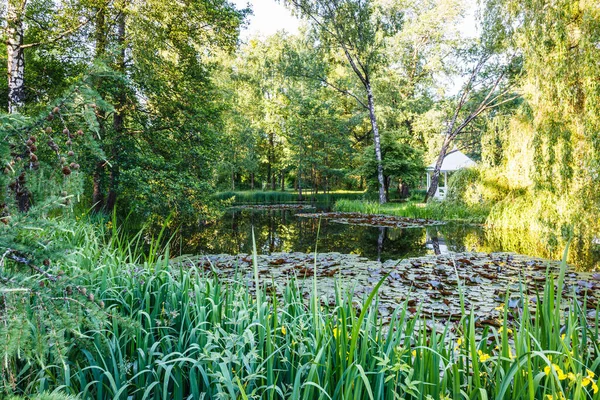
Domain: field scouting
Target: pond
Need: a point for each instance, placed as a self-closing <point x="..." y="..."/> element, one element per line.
<point x="279" y="230"/>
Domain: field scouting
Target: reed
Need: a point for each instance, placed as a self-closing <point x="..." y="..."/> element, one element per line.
<point x="175" y="331"/>
<point x="443" y="211"/>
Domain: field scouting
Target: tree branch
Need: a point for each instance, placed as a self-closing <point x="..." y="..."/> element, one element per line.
<point x="64" y="33"/>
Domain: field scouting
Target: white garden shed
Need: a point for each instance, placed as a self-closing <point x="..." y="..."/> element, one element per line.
<point x="453" y="161"/>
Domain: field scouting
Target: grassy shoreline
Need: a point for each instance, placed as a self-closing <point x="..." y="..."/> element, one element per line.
<point x="289" y="196"/>
<point x="441" y="211"/>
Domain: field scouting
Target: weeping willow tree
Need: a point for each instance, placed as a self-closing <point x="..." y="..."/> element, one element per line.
<point x="551" y="146"/>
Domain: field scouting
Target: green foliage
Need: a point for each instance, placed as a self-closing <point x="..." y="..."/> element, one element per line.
<point x="548" y="151"/>
<point x="192" y="335"/>
<point x="402" y="164"/>
<point x="260" y="197"/>
<point x="436" y="210"/>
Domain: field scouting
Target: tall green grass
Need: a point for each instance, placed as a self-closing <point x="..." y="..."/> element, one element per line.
<point x="276" y="197"/>
<point x="180" y="332"/>
<point x="443" y="211"/>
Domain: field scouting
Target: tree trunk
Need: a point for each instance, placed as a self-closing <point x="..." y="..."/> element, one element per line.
<point x="232" y="181"/>
<point x="435" y="178"/>
<point x="97" y="194"/>
<point x="119" y="116"/>
<point x="387" y="180"/>
<point x="252" y="181"/>
<point x="282" y="182"/>
<point x="270" y="159"/>
<point x="299" y="184"/>
<point x="100" y="52"/>
<point x="15" y="11"/>
<point x="377" y="143"/>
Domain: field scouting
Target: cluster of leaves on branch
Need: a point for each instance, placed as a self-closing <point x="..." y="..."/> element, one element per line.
<point x="43" y="305"/>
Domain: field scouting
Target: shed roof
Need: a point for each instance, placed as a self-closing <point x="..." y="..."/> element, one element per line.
<point x="454" y="161"/>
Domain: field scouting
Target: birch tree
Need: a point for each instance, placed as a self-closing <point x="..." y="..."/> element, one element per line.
<point x="487" y="87"/>
<point x="357" y="28"/>
<point x="16" y="60"/>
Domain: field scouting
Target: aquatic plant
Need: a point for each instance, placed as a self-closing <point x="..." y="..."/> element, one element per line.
<point x="183" y="332"/>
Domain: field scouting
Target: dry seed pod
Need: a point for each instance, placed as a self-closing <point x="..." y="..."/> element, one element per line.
<point x="33" y="147"/>
<point x="63" y="194"/>
<point x="18" y="159"/>
<point x="65" y="131"/>
<point x="101" y="304"/>
<point x="33" y="157"/>
<point x="55" y="110"/>
<point x="46" y="262"/>
<point x="69" y="142"/>
<point x="70" y="153"/>
<point x="33" y="139"/>
<point x="80" y="132"/>
<point x="66" y="171"/>
<point x="76" y="167"/>
<point x="48" y="130"/>
<point x="84" y="291"/>
<point x="50" y="117"/>
<point x="63" y="160"/>
<point x="29" y="142"/>
<point x="91" y="297"/>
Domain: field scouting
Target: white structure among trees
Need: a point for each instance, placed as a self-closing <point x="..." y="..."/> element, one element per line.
<point x="453" y="161"/>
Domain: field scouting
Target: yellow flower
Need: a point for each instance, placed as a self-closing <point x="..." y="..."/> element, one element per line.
<point x="482" y="356"/>
<point x="336" y="332"/>
<point x="590" y="374"/>
<point x="510" y="354"/>
<point x="459" y="341"/>
<point x="559" y="372"/>
<point x="595" y="387"/>
<point x="283" y="330"/>
<point x="563" y="336"/>
<point x="414" y="353"/>
<point x="586" y="381"/>
<point x="508" y="331"/>
<point x="572" y="377"/>
<point x="500" y="307"/>
<point x="561" y="375"/>
<point x="589" y="379"/>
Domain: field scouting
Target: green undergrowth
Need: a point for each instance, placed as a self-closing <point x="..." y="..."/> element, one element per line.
<point x="184" y="333"/>
<point x="276" y="197"/>
<point x="442" y="211"/>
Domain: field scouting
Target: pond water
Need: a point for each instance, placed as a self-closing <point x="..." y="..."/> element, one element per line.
<point x="282" y="231"/>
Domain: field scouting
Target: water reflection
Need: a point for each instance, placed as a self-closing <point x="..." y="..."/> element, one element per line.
<point x="282" y="231"/>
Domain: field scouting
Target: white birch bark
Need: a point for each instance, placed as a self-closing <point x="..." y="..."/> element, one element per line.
<point x="15" y="55"/>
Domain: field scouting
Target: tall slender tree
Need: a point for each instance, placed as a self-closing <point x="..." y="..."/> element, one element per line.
<point x="357" y="28"/>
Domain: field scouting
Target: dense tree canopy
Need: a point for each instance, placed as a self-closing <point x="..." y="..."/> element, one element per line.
<point x="182" y="108"/>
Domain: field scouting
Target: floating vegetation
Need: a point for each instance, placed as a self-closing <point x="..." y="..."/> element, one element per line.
<point x="376" y="220"/>
<point x="274" y="207"/>
<point x="429" y="284"/>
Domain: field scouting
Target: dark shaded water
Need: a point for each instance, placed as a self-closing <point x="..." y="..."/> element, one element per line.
<point x="282" y="231"/>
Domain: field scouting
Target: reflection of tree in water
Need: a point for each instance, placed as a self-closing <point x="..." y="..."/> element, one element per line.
<point x="278" y="230"/>
<point x="380" y="240"/>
